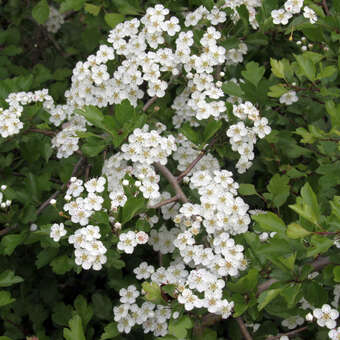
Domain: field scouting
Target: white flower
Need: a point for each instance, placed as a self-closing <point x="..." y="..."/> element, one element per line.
<point x="57" y="231"/>
<point x="326" y="316"/>
<point x="280" y="16"/>
<point x="289" y="98"/>
<point x="128" y="295"/>
<point x="308" y="13"/>
<point x="334" y="334"/>
<point x="293" y="321"/>
<point x="142" y="237"/>
<point x="127" y="242"/>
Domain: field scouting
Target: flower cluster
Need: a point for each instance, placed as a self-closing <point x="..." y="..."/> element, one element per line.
<point x="81" y="209"/>
<point x="128" y="241"/>
<point x="4" y="204"/>
<point x="291" y="7"/>
<point x="243" y="138"/>
<point x="10" y="123"/>
<point x="89" y="250"/>
<point x="55" y="20"/>
<point x="153" y="318"/>
<point x="148" y="147"/>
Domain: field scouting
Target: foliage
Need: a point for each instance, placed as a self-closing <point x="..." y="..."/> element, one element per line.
<point x="292" y="186"/>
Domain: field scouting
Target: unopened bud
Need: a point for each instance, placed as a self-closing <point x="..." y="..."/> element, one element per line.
<point x="309" y="317"/>
<point x="3" y="187"/>
<point x="53" y="201"/>
<point x="33" y="227"/>
<point x="118" y="226"/>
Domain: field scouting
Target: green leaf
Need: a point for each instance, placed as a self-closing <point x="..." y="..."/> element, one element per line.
<point x="75" y="330"/>
<point x="327" y="72"/>
<point x="314" y="293"/>
<point x="92" y="9"/>
<point x="290" y="294"/>
<point x="102" y="306"/>
<point x="169" y="289"/>
<point x="11" y="50"/>
<point x="93" y="146"/>
<point x="307" y="66"/>
<point x="336" y="273"/>
<point x="296" y="231"/>
<point x="190" y="133"/>
<point x="232" y="89"/>
<point x="307" y="205"/>
<point x="83" y="309"/>
<point x="277" y="68"/>
<point x="45" y="257"/>
<point x="61" y="314"/>
<point x="152" y="292"/>
<point x="320" y="244"/>
<point x="270" y="222"/>
<point x="113" y="19"/>
<point x="277" y="91"/>
<point x="246" y="283"/>
<point x="132" y="207"/>
<point x="5" y="298"/>
<point x="210" y="130"/>
<point x="334" y="112"/>
<point x="267" y="296"/>
<point x="110" y="331"/>
<point x="40" y="12"/>
<point x="247" y="189"/>
<point x="253" y="73"/>
<point x="61" y="264"/>
<point x="71" y="5"/>
<point x="124" y="7"/>
<point x="279" y="188"/>
<point x="179" y="328"/>
<point x="10" y="242"/>
<point x="8" y="278"/>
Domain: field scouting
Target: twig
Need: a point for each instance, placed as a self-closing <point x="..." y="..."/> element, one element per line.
<point x="149" y="103"/>
<point x="43" y="132"/>
<point x="291" y="333"/>
<point x="325" y="7"/>
<point x="243" y="329"/>
<point x="196" y="160"/>
<point x="87" y="172"/>
<point x="47" y="202"/>
<point x="165" y="202"/>
<point x="317" y="265"/>
<point x="172" y="180"/>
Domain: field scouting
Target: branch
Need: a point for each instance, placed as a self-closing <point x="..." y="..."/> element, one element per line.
<point x="47" y="202"/>
<point x="149" y="103"/>
<point x="196" y="160"/>
<point x="173" y="181"/>
<point x="43" y="132"/>
<point x="165" y="202"/>
<point x="317" y="265"/>
<point x="243" y="329"/>
<point x="291" y="333"/>
<point x="325" y="7"/>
